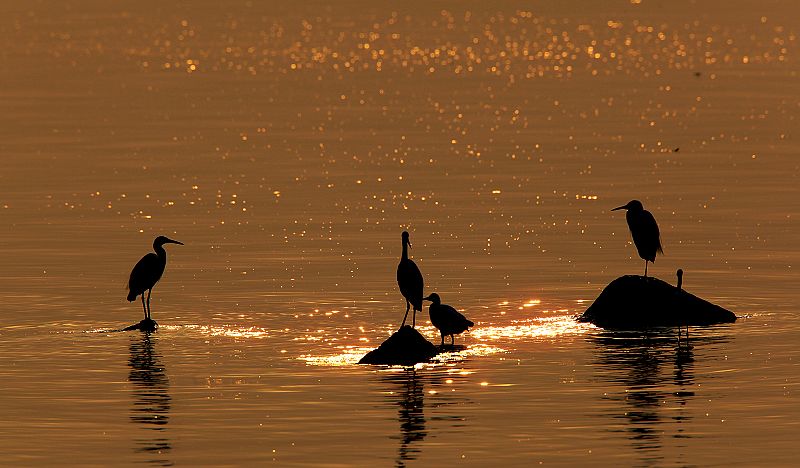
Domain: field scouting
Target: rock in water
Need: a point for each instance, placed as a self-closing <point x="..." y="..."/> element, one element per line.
<point x="632" y="301"/>
<point x="145" y="325"/>
<point x="405" y="347"/>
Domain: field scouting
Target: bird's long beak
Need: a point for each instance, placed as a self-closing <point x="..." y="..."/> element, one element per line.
<point x="428" y="298"/>
<point x="620" y="208"/>
<point x="170" y="241"/>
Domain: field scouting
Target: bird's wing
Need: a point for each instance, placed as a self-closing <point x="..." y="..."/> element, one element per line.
<point x="646" y="236"/>
<point x="453" y="316"/>
<point x="145" y="273"/>
<point x="410" y="281"/>
<point x="651" y="230"/>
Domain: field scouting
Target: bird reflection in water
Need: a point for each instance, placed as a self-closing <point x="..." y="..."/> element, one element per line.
<point x="655" y="401"/>
<point x="407" y="391"/>
<point x="151" y="400"/>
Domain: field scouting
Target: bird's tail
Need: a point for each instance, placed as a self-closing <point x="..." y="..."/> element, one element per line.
<point x="131" y="296"/>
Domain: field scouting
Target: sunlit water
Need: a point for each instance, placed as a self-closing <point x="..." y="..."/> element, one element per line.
<point x="289" y="146"/>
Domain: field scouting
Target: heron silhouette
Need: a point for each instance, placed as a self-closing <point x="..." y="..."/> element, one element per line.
<point x="410" y="281"/>
<point x="148" y="271"/>
<point x="448" y="320"/>
<point x="679" y="273"/>
<point x="644" y="231"/>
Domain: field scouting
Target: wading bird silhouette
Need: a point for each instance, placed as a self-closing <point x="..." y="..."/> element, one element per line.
<point x="148" y="271"/>
<point x="679" y="273"/>
<point x="410" y="281"/>
<point x="644" y="231"/>
<point x="448" y="320"/>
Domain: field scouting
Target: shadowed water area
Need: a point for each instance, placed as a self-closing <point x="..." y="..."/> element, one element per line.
<point x="289" y="146"/>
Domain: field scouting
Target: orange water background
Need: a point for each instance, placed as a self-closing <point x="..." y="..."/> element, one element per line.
<point x="289" y="145"/>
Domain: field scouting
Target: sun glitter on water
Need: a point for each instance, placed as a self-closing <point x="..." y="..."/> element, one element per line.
<point x="485" y="339"/>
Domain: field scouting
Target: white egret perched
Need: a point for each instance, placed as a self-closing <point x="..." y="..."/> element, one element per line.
<point x="148" y="271"/>
<point x="644" y="231"/>
<point x="410" y="281"/>
<point x="448" y="320"/>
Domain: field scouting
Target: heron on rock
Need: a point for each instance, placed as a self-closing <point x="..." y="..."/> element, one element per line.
<point x="644" y="231"/>
<point x="410" y="281"/>
<point x="448" y="320"/>
<point x="148" y="271"/>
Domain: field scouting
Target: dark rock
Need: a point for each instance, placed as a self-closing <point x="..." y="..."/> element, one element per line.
<point x="631" y="302"/>
<point x="405" y="347"/>
<point x="148" y="325"/>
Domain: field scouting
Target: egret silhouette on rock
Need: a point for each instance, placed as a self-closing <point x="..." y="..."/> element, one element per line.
<point x="148" y="271"/>
<point x="410" y="281"/>
<point x="448" y="320"/>
<point x="644" y="231"/>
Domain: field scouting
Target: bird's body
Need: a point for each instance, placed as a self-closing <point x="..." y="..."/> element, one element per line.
<point x="644" y="231"/>
<point x="446" y="319"/>
<point x="409" y="279"/>
<point x="145" y="274"/>
<point x="148" y="271"/>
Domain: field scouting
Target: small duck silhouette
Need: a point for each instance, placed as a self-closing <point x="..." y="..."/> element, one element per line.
<point x="448" y="320"/>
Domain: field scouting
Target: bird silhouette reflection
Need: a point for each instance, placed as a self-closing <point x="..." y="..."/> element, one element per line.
<point x="656" y="399"/>
<point x="151" y="400"/>
<point x="408" y="391"/>
<point x="407" y="388"/>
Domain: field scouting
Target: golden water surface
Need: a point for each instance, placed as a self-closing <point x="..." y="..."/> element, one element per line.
<point x="288" y="145"/>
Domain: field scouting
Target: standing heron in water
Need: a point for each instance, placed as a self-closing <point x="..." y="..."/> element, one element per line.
<point x="409" y="279"/>
<point x="448" y="320"/>
<point x="679" y="288"/>
<point x="644" y="231"/>
<point x="148" y="271"/>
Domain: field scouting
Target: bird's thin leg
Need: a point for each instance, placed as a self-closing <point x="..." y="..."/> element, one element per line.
<point x="645" y="268"/>
<point x="452" y="341"/>
<point x="442" y="346"/>
<point x="148" y="302"/>
<point x="408" y="306"/>
<point x="414" y="319"/>
<point x="143" y="307"/>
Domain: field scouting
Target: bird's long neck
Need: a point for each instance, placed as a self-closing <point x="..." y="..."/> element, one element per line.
<point x="405" y="250"/>
<point x="162" y="254"/>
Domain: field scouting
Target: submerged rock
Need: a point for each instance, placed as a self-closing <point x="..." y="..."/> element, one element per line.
<point x="145" y="325"/>
<point x="405" y="347"/>
<point x="634" y="301"/>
